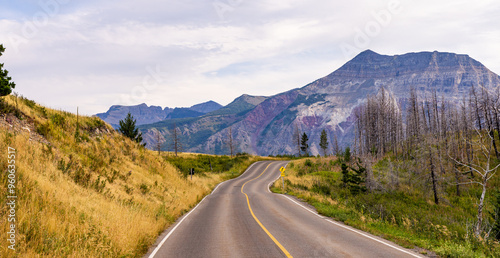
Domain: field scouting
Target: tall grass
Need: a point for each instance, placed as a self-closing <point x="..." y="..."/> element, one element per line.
<point x="89" y="191"/>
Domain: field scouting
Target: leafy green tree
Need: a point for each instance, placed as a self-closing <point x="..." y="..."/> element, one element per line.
<point x="323" y="142"/>
<point x="127" y="128"/>
<point x="6" y="85"/>
<point x="304" y="146"/>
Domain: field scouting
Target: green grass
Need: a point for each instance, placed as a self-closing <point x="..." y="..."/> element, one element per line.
<point x="405" y="215"/>
<point x="203" y="164"/>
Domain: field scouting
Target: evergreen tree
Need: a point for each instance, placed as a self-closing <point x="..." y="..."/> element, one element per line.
<point x="127" y="128"/>
<point x="323" y="142"/>
<point x="347" y="154"/>
<point x="345" y="175"/>
<point x="358" y="179"/>
<point x="304" y="146"/>
<point x="6" y="85"/>
<point x="355" y="179"/>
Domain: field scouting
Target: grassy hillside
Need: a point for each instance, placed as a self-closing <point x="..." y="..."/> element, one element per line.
<point x="400" y="207"/>
<point x="84" y="190"/>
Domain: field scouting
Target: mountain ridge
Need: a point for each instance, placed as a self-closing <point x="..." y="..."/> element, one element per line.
<point x="328" y="102"/>
<point x="145" y="114"/>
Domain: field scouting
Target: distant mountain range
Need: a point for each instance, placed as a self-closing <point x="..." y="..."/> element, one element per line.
<point x="152" y="114"/>
<point x="265" y="125"/>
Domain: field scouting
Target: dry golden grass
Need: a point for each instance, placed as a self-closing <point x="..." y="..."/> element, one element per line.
<point x="64" y="207"/>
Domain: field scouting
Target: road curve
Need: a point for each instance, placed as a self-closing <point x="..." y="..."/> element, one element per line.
<point x="242" y="218"/>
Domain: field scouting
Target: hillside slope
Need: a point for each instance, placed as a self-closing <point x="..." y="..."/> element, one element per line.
<point x="86" y="192"/>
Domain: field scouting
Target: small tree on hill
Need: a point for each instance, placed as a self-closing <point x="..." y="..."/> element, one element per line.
<point x="176" y="141"/>
<point x="159" y="141"/>
<point x="323" y="142"/>
<point x="127" y="128"/>
<point x="355" y="179"/>
<point x="304" y="146"/>
<point x="6" y="85"/>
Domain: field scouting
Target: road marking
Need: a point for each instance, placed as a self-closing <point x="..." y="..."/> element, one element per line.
<point x="269" y="185"/>
<point x="302" y="206"/>
<point x="351" y="229"/>
<point x="173" y="229"/>
<point x="256" y="219"/>
<point x="235" y="177"/>
<point x="217" y="187"/>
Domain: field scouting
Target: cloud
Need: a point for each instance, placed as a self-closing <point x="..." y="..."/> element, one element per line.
<point x="95" y="54"/>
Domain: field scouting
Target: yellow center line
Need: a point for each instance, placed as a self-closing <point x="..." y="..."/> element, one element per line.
<point x="260" y="224"/>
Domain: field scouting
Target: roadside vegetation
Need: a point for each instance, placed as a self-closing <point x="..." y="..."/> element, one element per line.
<point x="405" y="214"/>
<point x="424" y="175"/>
<point x="85" y="190"/>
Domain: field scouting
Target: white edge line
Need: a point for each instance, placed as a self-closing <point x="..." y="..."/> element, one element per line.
<point x="353" y="230"/>
<point x="340" y="225"/>
<point x="173" y="229"/>
<point x="269" y="185"/>
<point x="303" y="206"/>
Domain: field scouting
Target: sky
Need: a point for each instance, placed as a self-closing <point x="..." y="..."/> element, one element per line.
<point x="93" y="54"/>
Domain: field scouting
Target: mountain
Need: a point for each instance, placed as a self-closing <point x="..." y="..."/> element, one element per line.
<point x="145" y="114"/>
<point x="206" y="107"/>
<point x="328" y="102"/>
<point x="197" y="130"/>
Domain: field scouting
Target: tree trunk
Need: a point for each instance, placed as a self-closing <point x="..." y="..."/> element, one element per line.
<point x="480" y="209"/>
<point x="433" y="177"/>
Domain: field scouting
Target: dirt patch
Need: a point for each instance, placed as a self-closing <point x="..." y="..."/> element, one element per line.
<point x="10" y="123"/>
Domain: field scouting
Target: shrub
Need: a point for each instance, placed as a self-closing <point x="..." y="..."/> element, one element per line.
<point x="144" y="188"/>
<point x="58" y="119"/>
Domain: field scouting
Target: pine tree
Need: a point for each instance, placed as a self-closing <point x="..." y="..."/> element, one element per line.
<point x="304" y="146"/>
<point x="127" y="128"/>
<point x="6" y="85"/>
<point x="323" y="142"/>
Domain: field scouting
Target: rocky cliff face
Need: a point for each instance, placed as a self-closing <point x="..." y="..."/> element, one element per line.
<point x="328" y="103"/>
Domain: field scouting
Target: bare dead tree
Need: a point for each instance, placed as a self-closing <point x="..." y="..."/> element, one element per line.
<point x="159" y="141"/>
<point x="230" y="141"/>
<point x="335" y="143"/>
<point x="296" y="138"/>
<point x="176" y="142"/>
<point x="484" y="170"/>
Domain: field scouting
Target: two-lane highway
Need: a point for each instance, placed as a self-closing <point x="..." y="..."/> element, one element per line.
<point x="242" y="218"/>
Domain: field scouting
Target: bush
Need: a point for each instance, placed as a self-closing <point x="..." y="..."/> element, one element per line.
<point x="43" y="129"/>
<point x="144" y="188"/>
<point x="58" y="119"/>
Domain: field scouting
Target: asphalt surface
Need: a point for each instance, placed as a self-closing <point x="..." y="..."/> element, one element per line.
<point x="228" y="224"/>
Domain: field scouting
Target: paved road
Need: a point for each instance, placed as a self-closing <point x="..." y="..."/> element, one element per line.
<point x="242" y="218"/>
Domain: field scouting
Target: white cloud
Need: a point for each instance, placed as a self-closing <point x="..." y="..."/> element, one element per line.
<point x="95" y="54"/>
